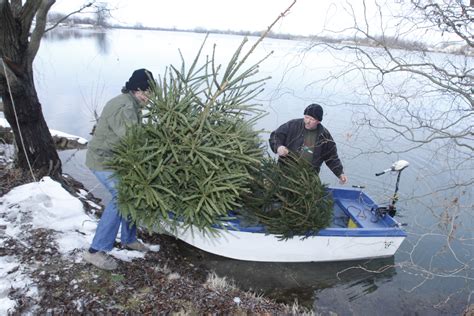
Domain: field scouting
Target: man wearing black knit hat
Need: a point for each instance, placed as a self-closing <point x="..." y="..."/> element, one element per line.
<point x="309" y="139"/>
<point x="117" y="116"/>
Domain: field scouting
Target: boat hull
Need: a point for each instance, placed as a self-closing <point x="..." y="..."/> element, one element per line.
<point x="364" y="234"/>
<point x="268" y="248"/>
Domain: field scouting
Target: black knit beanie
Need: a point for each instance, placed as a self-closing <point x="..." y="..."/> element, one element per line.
<point x="139" y="80"/>
<point x="314" y="110"/>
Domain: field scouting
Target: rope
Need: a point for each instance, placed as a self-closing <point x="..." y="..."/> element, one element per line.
<point x="17" y="123"/>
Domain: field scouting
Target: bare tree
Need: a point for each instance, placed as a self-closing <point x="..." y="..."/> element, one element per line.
<point x="22" y="26"/>
<point x="417" y="97"/>
<point x="421" y="98"/>
<point x="102" y="14"/>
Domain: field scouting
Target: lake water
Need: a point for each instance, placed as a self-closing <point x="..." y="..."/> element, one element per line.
<point x="77" y="71"/>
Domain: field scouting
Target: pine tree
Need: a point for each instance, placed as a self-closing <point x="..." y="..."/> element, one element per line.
<point x="190" y="160"/>
<point x="288" y="199"/>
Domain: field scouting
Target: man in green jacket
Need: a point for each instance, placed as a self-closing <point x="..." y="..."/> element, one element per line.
<point x="118" y="114"/>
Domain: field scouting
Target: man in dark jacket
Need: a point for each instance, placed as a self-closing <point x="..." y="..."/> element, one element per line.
<point x="309" y="139"/>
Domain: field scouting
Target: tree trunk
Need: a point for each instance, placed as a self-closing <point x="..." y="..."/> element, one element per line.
<point x="18" y="47"/>
<point x="35" y="140"/>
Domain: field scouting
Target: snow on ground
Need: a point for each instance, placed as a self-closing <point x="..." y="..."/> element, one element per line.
<point x="7" y="153"/>
<point x="80" y="140"/>
<point x="56" y="133"/>
<point x="44" y="204"/>
<point x="3" y="122"/>
<point x="12" y="275"/>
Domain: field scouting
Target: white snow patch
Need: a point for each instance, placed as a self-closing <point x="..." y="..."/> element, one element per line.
<point x="80" y="140"/>
<point x="44" y="204"/>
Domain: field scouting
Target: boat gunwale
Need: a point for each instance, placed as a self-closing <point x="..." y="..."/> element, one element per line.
<point x="332" y="231"/>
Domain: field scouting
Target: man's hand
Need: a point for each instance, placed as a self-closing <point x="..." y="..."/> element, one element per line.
<point x="342" y="179"/>
<point x="282" y="151"/>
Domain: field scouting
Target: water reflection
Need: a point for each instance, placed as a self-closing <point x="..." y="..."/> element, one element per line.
<point x="102" y="44"/>
<point x="301" y="281"/>
<point x="65" y="34"/>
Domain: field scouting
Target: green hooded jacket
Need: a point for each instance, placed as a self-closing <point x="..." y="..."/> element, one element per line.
<point x="118" y="114"/>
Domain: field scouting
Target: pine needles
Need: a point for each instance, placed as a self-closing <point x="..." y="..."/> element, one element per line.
<point x="288" y="199"/>
<point x="197" y="156"/>
<point x="191" y="158"/>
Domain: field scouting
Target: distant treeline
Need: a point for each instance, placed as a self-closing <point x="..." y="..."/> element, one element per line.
<point x="75" y="20"/>
<point x="387" y="41"/>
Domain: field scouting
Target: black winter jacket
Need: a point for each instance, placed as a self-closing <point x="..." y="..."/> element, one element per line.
<point x="291" y="135"/>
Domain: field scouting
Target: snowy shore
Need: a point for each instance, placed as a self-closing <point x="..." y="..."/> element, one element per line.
<point x="44" y="231"/>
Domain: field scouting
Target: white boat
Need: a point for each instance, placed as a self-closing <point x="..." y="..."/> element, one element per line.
<point x="369" y="234"/>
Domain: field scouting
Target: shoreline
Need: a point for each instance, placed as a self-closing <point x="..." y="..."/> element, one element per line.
<point x="162" y="282"/>
<point x="62" y="141"/>
<point x="447" y="47"/>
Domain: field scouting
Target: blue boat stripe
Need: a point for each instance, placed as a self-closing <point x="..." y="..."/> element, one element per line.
<point x="345" y="232"/>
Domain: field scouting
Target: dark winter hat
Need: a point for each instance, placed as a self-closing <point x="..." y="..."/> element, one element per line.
<point x="139" y="80"/>
<point x="314" y="110"/>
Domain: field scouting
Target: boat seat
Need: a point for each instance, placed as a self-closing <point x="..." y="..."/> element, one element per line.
<point x="359" y="212"/>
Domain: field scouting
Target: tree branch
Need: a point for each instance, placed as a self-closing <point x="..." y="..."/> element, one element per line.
<point x="37" y="34"/>
<point x="447" y="18"/>
<point x="26" y="17"/>
<point x="67" y="16"/>
<point x="16" y="7"/>
<point x="6" y="25"/>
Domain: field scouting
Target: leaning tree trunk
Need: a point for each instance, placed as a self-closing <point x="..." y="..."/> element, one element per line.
<point x="19" y="44"/>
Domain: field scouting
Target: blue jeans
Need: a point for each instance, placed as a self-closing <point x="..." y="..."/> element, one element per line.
<point x="111" y="219"/>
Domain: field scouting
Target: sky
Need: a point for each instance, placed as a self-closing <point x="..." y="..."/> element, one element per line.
<point x="44" y="204"/>
<point x="307" y="17"/>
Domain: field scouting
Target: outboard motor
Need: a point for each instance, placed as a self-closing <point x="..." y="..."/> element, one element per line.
<point x="397" y="166"/>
